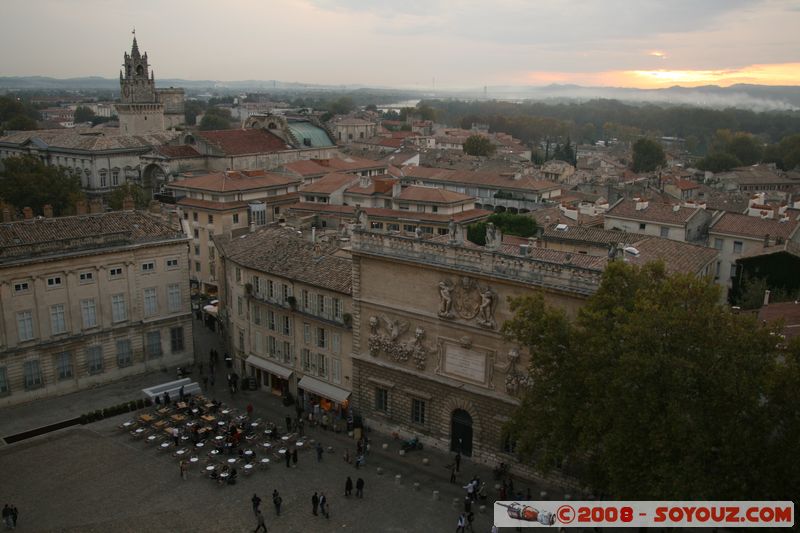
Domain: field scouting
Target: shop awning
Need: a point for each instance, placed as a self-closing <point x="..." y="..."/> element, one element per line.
<point x="323" y="389"/>
<point x="269" y="366"/>
<point x="211" y="310"/>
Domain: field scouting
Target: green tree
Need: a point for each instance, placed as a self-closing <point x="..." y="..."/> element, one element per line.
<point x="117" y="196"/>
<point x="719" y="162"/>
<point x="647" y="155"/>
<point x="191" y="110"/>
<point x="507" y="223"/>
<point x="745" y="148"/>
<point x="27" y="182"/>
<point x="478" y="145"/>
<point x="83" y="114"/>
<point x="20" y="123"/>
<point x="342" y="105"/>
<point x="785" y="154"/>
<point x="656" y="391"/>
<point x="216" y="118"/>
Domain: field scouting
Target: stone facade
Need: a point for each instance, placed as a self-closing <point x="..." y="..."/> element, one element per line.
<point x="427" y="348"/>
<point x="90" y="299"/>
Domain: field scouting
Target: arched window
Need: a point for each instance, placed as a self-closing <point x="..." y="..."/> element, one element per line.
<point x="140" y="70"/>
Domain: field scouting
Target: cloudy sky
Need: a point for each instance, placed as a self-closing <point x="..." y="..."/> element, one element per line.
<point x="409" y="43"/>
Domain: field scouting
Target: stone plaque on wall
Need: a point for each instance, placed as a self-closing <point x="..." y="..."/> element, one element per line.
<point x="464" y="363"/>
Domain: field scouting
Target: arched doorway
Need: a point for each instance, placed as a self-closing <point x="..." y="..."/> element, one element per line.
<point x="461" y="432"/>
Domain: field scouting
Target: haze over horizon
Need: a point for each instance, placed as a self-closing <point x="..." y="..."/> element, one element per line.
<point x="451" y="45"/>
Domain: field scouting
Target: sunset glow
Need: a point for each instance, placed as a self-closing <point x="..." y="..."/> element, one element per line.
<point x="767" y="74"/>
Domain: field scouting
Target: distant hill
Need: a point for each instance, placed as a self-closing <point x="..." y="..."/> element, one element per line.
<point x="755" y="97"/>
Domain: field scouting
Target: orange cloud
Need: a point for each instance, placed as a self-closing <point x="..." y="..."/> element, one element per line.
<point x="764" y="74"/>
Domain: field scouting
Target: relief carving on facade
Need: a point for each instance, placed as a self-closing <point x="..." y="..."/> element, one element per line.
<point x="516" y="381"/>
<point x="386" y="340"/>
<point x="467" y="300"/>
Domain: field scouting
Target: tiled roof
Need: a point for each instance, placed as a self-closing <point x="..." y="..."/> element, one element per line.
<point x="240" y="142"/>
<point x="93" y="140"/>
<point x="654" y="212"/>
<point x="470" y="215"/>
<point x="478" y="178"/>
<point x="376" y="186"/>
<point x="233" y="180"/>
<point x="678" y="257"/>
<point x="183" y="150"/>
<point x="755" y="175"/>
<point x="685" y="185"/>
<point x="330" y="183"/>
<point x="754" y="227"/>
<point x="350" y="163"/>
<point x="417" y="193"/>
<point x="282" y="252"/>
<point x="208" y="204"/>
<point x="48" y="236"/>
<point x="552" y="215"/>
<point x="590" y="235"/>
<point x="306" y="167"/>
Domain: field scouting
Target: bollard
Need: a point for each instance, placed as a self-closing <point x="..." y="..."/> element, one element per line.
<point x="567" y="496"/>
<point x="402" y="453"/>
<point x="436" y="495"/>
<point x="380" y="471"/>
<point x="482" y="509"/>
<point x="398" y="479"/>
<point x="456" y="503"/>
<point x="543" y="495"/>
<point x="385" y="446"/>
<point x="425" y="461"/>
<point x="416" y="486"/>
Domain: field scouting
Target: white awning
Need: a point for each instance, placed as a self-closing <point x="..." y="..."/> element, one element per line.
<point x="323" y="389"/>
<point x="269" y="366"/>
<point x="211" y="310"/>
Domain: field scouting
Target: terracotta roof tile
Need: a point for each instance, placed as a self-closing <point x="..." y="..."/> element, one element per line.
<point x="177" y="151"/>
<point x="470" y="215"/>
<point x="330" y="183"/>
<point x="678" y="257"/>
<point x="249" y="141"/>
<point x="233" y="180"/>
<point x="281" y="252"/>
<point x="208" y="204"/>
<point x="746" y="226"/>
<point x="417" y="193"/>
<point x="654" y="212"/>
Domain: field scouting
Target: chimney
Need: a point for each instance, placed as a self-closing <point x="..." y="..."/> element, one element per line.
<point x="641" y="204"/>
<point x="80" y="207"/>
<point x="128" y="204"/>
<point x="95" y="205"/>
<point x="48" y="211"/>
<point x="7" y="215"/>
<point x="766" y="297"/>
<point x="313" y="234"/>
<point x="27" y="212"/>
<point x="396" y="189"/>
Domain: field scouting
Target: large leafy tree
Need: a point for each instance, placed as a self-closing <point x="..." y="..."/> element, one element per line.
<point x="27" y="182"/>
<point x="647" y="155"/>
<point x="137" y="194"/>
<point x="83" y="114"/>
<point x="216" y="118"/>
<point x="478" y="145"/>
<point x="656" y="391"/>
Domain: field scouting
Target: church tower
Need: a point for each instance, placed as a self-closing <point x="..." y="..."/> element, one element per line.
<point x="140" y="110"/>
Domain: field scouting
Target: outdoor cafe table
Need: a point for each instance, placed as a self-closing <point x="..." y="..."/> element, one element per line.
<point x="193" y="459"/>
<point x="182" y="405"/>
<point x="146" y="418"/>
<point x="199" y="445"/>
<point x="210" y="468"/>
<point x="226" y="411"/>
<point x="208" y="418"/>
<point x="181" y="452"/>
<point x="151" y="438"/>
<point x="248" y="452"/>
<point x="221" y="423"/>
<point x="164" y="410"/>
<point x="254" y="424"/>
<point x="248" y="466"/>
<point x="219" y="437"/>
<point x="178" y="418"/>
<point x="232" y="460"/>
<point x="138" y="431"/>
<point x="164" y="445"/>
<point x="266" y="445"/>
<point x="282" y="451"/>
<point x="265" y="461"/>
<point x="128" y="424"/>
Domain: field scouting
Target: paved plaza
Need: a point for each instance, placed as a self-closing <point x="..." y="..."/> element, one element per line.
<point x="97" y="478"/>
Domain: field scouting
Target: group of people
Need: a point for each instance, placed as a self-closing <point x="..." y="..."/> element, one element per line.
<point x="10" y="515"/>
<point x="348" y="487"/>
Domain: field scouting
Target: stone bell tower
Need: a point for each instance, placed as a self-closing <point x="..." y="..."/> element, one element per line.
<point x="140" y="110"/>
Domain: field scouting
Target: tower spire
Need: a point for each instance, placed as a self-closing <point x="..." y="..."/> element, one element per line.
<point x="135" y="47"/>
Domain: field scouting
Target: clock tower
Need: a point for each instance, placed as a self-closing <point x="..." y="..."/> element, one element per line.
<point x="140" y="110"/>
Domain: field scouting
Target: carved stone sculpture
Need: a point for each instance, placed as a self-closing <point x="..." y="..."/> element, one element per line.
<point x="390" y="344"/>
<point x="515" y="381"/>
<point x="445" y="299"/>
<point x="486" y="311"/>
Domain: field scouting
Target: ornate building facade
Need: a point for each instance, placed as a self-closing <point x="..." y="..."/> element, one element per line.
<point x="429" y="358"/>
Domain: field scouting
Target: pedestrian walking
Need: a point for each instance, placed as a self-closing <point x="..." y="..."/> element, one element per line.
<point x="184" y="470"/>
<point x="319" y="452"/>
<point x="462" y="523"/>
<point x="300" y="424"/>
<point x="467" y="505"/>
<point x="458" y="462"/>
<point x="14" y="516"/>
<point x="470" y="519"/>
<point x="294" y="457"/>
<point x="7" y="517"/>
<point x="277" y="501"/>
<point x="359" y="488"/>
<point x="453" y="473"/>
<point x="323" y="502"/>
<point x="256" y="502"/>
<point x="348" y="486"/>
<point x="260" y="523"/>
<point x="288" y="456"/>
<point x="176" y="436"/>
<point x="314" y="503"/>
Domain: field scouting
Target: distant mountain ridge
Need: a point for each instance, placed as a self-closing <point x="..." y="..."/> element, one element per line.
<point x="747" y="96"/>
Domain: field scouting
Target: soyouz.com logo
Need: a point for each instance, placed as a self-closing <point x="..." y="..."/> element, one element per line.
<point x="644" y="514"/>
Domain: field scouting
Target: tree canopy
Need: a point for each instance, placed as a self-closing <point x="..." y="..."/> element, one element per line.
<point x="83" y="114"/>
<point x="117" y="196"/>
<point x="478" y="145"/>
<point x="27" y="182"/>
<point x="507" y="223"/>
<point x="216" y="118"/>
<point x="647" y="155"/>
<point x="17" y="114"/>
<point x="656" y="391"/>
